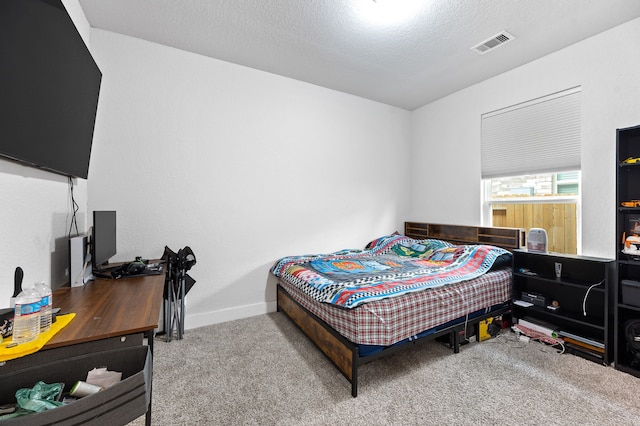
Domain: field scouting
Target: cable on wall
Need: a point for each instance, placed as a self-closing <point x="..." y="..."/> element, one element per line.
<point x="74" y="208"/>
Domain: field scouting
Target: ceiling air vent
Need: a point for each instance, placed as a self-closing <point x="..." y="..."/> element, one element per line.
<point x="493" y="42"/>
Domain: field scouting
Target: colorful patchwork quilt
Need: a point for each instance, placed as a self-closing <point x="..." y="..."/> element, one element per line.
<point x="390" y="266"/>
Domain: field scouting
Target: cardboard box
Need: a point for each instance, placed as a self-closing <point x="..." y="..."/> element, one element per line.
<point x="118" y="404"/>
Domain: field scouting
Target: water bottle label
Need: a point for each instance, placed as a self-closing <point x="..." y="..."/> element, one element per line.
<point x="28" y="308"/>
<point x="46" y="300"/>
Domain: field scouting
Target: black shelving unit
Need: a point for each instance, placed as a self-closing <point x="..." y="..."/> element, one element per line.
<point x="583" y="294"/>
<point x="627" y="265"/>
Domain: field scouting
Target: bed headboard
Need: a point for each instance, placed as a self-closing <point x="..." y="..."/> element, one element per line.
<point x="507" y="238"/>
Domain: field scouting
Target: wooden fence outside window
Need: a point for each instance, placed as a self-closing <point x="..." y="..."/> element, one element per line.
<point x="558" y="219"/>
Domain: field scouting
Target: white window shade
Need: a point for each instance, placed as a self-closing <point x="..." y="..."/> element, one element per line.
<point x="542" y="135"/>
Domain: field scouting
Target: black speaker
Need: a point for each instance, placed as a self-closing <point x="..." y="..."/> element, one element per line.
<point x="632" y="334"/>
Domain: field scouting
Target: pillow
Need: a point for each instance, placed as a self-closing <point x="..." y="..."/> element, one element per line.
<point x="502" y="261"/>
<point x="449" y="254"/>
<point x="375" y="242"/>
<point x="419" y="248"/>
<point x="445" y="254"/>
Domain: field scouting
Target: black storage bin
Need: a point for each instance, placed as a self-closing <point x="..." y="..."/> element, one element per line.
<point x="630" y="292"/>
<point x="116" y="405"/>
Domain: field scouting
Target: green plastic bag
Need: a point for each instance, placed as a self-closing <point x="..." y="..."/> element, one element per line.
<point x="39" y="398"/>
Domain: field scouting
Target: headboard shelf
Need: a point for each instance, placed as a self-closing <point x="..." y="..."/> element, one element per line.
<point x="508" y="238"/>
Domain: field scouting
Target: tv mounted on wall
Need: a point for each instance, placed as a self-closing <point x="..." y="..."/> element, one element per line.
<point x="49" y="87"/>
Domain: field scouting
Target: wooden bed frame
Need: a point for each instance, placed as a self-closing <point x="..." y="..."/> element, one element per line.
<point x="343" y="353"/>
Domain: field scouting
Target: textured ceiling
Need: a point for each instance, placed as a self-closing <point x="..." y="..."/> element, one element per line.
<point x="405" y="58"/>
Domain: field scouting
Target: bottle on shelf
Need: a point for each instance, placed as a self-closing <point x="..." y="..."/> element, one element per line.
<point x="26" y="319"/>
<point x="46" y="302"/>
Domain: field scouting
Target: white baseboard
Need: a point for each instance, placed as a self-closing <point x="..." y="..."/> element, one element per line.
<point x="208" y="318"/>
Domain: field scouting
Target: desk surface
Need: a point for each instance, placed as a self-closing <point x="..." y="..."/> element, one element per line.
<point x="108" y="308"/>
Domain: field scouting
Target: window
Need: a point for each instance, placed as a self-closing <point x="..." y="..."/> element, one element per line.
<point x="548" y="200"/>
<point x="531" y="167"/>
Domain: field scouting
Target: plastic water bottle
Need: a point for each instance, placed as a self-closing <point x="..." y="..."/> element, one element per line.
<point x="26" y="318"/>
<point x="46" y="303"/>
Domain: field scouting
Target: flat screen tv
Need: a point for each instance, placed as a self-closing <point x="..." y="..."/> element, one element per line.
<point x="103" y="239"/>
<point x="49" y="87"/>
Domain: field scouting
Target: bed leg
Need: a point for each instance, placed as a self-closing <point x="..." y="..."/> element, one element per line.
<point x="354" y="373"/>
<point x="456" y="341"/>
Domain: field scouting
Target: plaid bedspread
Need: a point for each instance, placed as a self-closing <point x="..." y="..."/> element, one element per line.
<point x="392" y="266"/>
<point x="387" y="321"/>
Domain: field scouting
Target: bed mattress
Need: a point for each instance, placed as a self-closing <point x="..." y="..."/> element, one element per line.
<point x="390" y="320"/>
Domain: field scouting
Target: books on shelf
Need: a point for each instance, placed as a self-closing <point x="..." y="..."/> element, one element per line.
<point x="582" y="339"/>
<point x="584" y="345"/>
<point x="584" y="352"/>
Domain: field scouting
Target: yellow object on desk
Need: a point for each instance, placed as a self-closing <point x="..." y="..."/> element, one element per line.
<point x="8" y="353"/>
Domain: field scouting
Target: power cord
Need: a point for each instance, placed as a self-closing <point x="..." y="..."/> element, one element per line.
<point x="511" y="340"/>
<point x="584" y="300"/>
<point x="466" y="322"/>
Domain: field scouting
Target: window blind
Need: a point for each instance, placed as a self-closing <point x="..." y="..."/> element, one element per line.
<point x="538" y="136"/>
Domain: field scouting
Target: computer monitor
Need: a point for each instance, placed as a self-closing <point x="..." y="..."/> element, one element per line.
<point x="103" y="238"/>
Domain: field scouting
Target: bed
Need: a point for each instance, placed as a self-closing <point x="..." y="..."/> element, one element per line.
<point x="433" y="281"/>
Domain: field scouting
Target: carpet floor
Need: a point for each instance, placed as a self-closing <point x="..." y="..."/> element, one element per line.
<point x="263" y="371"/>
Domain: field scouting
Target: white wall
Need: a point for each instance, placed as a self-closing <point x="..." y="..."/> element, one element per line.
<point x="241" y="165"/>
<point x="606" y="66"/>
<point x="35" y="214"/>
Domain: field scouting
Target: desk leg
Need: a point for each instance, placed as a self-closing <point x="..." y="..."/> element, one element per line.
<point x="150" y="335"/>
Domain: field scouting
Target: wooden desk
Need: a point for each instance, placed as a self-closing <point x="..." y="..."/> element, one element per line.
<point x="110" y="315"/>
<point x="107" y="308"/>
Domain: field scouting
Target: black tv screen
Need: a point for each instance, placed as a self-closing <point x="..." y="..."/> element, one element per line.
<point x="103" y="238"/>
<point x="49" y="87"/>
